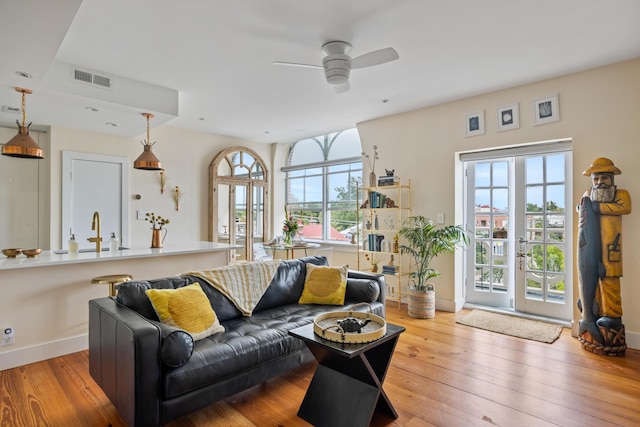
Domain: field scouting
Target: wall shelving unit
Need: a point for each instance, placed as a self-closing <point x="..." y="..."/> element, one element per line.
<point x="380" y="215"/>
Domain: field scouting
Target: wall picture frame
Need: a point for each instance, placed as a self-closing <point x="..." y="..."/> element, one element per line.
<point x="474" y="123"/>
<point x="546" y="110"/>
<point x="508" y="117"/>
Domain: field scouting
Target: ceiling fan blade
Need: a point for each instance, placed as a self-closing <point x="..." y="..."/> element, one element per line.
<point x="376" y="57"/>
<point x="296" y="64"/>
<point x="342" y="88"/>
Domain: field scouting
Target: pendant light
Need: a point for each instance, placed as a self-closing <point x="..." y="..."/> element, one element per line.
<point x="147" y="160"/>
<point x="22" y="145"/>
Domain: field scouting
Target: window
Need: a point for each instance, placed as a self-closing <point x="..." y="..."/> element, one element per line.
<point x="323" y="174"/>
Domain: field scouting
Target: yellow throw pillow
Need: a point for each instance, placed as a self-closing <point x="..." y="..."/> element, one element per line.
<point x="324" y="285"/>
<point x="187" y="308"/>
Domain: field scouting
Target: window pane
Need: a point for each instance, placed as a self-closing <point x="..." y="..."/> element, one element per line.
<point x="500" y="200"/>
<point x="335" y="217"/>
<point x="555" y="198"/>
<point x="555" y="168"/>
<point x="534" y="170"/>
<point x="534" y="198"/>
<point x="500" y="174"/>
<point x="483" y="174"/>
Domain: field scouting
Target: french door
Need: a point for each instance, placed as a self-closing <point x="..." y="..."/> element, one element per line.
<point x="519" y="208"/>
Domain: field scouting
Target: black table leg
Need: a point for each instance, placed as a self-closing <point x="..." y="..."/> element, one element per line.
<point x="346" y="391"/>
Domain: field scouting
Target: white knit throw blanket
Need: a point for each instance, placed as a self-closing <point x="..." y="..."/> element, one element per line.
<point x="244" y="283"/>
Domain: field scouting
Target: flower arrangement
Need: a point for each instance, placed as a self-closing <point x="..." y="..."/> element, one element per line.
<point x="374" y="260"/>
<point x="290" y="227"/>
<point x="372" y="164"/>
<point x="157" y="222"/>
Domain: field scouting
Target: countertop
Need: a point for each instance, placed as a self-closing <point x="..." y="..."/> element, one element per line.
<point x="49" y="258"/>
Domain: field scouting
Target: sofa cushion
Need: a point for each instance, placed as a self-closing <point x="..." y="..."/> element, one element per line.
<point x="176" y="346"/>
<point x="246" y="343"/>
<point x="187" y="308"/>
<point x="324" y="285"/>
<point x="133" y="294"/>
<point x="286" y="286"/>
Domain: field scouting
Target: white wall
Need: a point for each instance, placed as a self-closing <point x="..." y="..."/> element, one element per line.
<point x="599" y="110"/>
<point x="184" y="154"/>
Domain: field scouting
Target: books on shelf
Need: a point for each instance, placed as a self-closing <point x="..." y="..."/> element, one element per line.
<point x="384" y="181"/>
<point x="377" y="200"/>
<point x="375" y="242"/>
<point x="390" y="269"/>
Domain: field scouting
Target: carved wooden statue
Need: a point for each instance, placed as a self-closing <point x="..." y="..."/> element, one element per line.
<point x="600" y="260"/>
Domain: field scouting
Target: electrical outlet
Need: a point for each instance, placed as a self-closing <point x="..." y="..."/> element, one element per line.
<point x="8" y="337"/>
<point x="440" y="218"/>
<point x="141" y="214"/>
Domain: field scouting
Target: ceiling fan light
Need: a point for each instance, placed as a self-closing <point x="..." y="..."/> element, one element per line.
<point x="147" y="160"/>
<point x="337" y="79"/>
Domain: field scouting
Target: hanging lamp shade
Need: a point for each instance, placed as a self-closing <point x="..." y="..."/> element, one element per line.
<point x="22" y="145"/>
<point x="147" y="160"/>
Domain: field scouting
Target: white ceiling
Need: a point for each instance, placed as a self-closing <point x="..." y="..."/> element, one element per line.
<point x="217" y="56"/>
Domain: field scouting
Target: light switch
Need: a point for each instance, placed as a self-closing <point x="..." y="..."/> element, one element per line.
<point x="440" y="218"/>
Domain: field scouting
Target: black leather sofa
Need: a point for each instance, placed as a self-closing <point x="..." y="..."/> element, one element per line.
<point x="154" y="373"/>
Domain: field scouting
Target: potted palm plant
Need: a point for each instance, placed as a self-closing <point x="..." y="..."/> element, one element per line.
<point x="424" y="242"/>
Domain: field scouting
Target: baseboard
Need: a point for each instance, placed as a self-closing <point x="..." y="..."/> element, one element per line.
<point x="632" y="339"/>
<point x="37" y="353"/>
<point x="447" y="305"/>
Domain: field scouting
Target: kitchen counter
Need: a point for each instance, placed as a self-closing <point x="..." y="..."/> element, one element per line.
<point x="49" y="258"/>
<point x="45" y="299"/>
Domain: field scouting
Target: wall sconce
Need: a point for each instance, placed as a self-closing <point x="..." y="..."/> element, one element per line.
<point x="22" y="145"/>
<point x="147" y="160"/>
<point x="177" y="195"/>
<point x="163" y="181"/>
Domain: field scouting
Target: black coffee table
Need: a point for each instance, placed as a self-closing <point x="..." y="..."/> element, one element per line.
<point x="346" y="388"/>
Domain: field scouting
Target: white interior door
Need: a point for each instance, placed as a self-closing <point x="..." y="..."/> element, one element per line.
<point x="94" y="183"/>
<point x="519" y="208"/>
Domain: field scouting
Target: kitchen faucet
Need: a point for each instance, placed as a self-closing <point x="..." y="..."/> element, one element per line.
<point x="95" y="224"/>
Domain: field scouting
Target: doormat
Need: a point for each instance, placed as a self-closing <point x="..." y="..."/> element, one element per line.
<point x="511" y="325"/>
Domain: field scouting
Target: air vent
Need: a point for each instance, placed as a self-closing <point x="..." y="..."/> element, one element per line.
<point x="101" y="81"/>
<point x="83" y="76"/>
<point x="12" y="110"/>
<point x="91" y="78"/>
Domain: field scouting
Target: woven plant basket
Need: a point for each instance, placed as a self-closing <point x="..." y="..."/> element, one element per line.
<point x="422" y="303"/>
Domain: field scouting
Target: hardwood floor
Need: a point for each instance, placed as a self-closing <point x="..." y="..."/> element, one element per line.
<point x="442" y="374"/>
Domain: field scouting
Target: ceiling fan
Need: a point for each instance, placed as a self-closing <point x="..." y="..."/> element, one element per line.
<point x="337" y="63"/>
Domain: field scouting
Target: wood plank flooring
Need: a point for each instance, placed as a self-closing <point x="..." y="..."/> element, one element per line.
<point x="442" y="374"/>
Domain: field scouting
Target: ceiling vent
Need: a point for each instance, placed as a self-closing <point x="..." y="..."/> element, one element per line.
<point x="91" y="78"/>
<point x="12" y="110"/>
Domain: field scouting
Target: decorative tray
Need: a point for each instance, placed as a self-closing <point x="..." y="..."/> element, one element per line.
<point x="350" y="327"/>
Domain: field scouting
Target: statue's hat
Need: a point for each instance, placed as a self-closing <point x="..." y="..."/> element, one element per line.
<point x="602" y="165"/>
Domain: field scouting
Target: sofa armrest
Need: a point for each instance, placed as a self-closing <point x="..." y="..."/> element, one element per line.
<point x="124" y="360"/>
<point x="379" y="278"/>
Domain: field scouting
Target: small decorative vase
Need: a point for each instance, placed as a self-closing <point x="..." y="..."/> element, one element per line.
<point x="374" y="268"/>
<point x="372" y="179"/>
<point x="288" y="238"/>
<point x="156" y="238"/>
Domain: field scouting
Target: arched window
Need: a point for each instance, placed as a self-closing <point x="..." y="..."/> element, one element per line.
<point x="323" y="174"/>
<point x="238" y="212"/>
